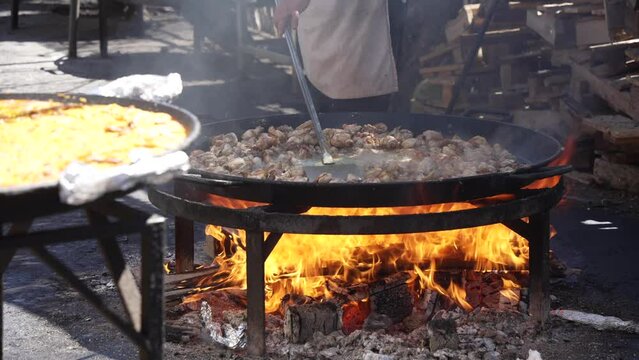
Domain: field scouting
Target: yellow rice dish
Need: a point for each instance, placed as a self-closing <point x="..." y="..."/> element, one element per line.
<point x="39" y="139"/>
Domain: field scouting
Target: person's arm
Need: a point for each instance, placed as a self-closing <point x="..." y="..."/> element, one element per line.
<point x="288" y="12"/>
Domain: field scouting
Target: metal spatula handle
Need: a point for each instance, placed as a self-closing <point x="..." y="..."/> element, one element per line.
<point x="327" y="159"/>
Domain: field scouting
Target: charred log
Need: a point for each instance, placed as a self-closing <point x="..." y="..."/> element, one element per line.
<point x="391" y="297"/>
<point x="302" y="321"/>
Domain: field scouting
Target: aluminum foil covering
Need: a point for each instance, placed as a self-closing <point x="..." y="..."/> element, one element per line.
<point x="597" y="321"/>
<point x="81" y="183"/>
<point x="146" y="87"/>
<point x="230" y="332"/>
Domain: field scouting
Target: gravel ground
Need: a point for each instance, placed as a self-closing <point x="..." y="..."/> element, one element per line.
<point x="43" y="318"/>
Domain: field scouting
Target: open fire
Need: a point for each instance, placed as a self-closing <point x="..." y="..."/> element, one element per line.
<point x="342" y="283"/>
<point x="484" y="266"/>
<point x="302" y="264"/>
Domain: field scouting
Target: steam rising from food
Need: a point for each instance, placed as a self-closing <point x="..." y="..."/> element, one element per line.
<point x="280" y="153"/>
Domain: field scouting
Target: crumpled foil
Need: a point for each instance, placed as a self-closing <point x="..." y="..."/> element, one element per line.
<point x="231" y="332"/>
<point x="81" y="183"/>
<point x="146" y="87"/>
<point x="597" y="321"/>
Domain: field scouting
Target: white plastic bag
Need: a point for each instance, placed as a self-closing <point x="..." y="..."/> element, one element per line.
<point x="154" y="88"/>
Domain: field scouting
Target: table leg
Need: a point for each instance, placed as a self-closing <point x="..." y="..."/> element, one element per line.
<point x="15" y="9"/>
<point x="74" y="14"/>
<point x="5" y="259"/>
<point x="104" y="32"/>
<point x="153" y="246"/>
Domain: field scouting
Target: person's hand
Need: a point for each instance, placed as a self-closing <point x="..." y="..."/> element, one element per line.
<point x="288" y="12"/>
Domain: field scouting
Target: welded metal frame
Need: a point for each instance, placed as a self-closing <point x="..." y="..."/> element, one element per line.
<point x="144" y="306"/>
<point x="189" y="204"/>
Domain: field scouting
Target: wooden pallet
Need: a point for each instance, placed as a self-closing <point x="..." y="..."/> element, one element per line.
<point x="618" y="92"/>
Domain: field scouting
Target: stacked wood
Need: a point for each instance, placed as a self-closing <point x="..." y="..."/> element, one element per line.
<point x="443" y="64"/>
<point x="569" y="24"/>
<point x="617" y="151"/>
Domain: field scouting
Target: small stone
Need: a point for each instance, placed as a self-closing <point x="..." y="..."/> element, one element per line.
<point x="321" y="341"/>
<point x="369" y="355"/>
<point x="351" y="338"/>
<point x="474" y="355"/>
<point x="328" y="353"/>
<point x="445" y="354"/>
<point x="489" y="344"/>
<point x="442" y="333"/>
<point x="467" y="330"/>
<point x="523" y="307"/>
<point x="501" y="338"/>
<point x="492" y="355"/>
<point x="415" y="320"/>
<point x="377" y="322"/>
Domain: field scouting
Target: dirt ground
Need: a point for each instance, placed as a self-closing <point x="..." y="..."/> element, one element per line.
<point x="43" y="318"/>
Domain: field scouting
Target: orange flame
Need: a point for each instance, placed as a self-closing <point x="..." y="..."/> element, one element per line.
<point x="563" y="159"/>
<point x="510" y="290"/>
<point x="301" y="264"/>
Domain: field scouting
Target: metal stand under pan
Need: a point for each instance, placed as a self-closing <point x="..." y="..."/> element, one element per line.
<point x="188" y="202"/>
<point x="108" y="218"/>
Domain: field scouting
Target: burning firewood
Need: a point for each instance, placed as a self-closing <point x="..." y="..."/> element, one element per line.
<point x="302" y="321"/>
<point x="391" y="297"/>
<point x="492" y="290"/>
<point x="345" y="292"/>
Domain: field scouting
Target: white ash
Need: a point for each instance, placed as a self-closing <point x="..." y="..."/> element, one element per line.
<point x="280" y="153"/>
<point x="483" y="334"/>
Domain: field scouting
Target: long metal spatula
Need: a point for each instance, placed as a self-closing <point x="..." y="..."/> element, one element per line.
<point x="338" y="169"/>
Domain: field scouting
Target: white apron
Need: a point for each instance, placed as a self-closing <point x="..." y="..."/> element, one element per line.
<point x="346" y="47"/>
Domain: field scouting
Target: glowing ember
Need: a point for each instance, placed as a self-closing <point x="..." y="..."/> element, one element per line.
<point x="301" y="264"/>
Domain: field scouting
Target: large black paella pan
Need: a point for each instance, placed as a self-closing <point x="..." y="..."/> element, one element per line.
<point x="534" y="150"/>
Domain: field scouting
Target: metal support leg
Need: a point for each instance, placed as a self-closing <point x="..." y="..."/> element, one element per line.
<point x="120" y="271"/>
<point x="5" y="259"/>
<point x="255" y="293"/>
<point x="15" y="9"/>
<point x="1" y="313"/>
<point x="104" y="32"/>
<point x="67" y="274"/>
<point x="74" y="14"/>
<point x="540" y="267"/>
<point x="184" y="239"/>
<point x="153" y="245"/>
<point x="184" y="245"/>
